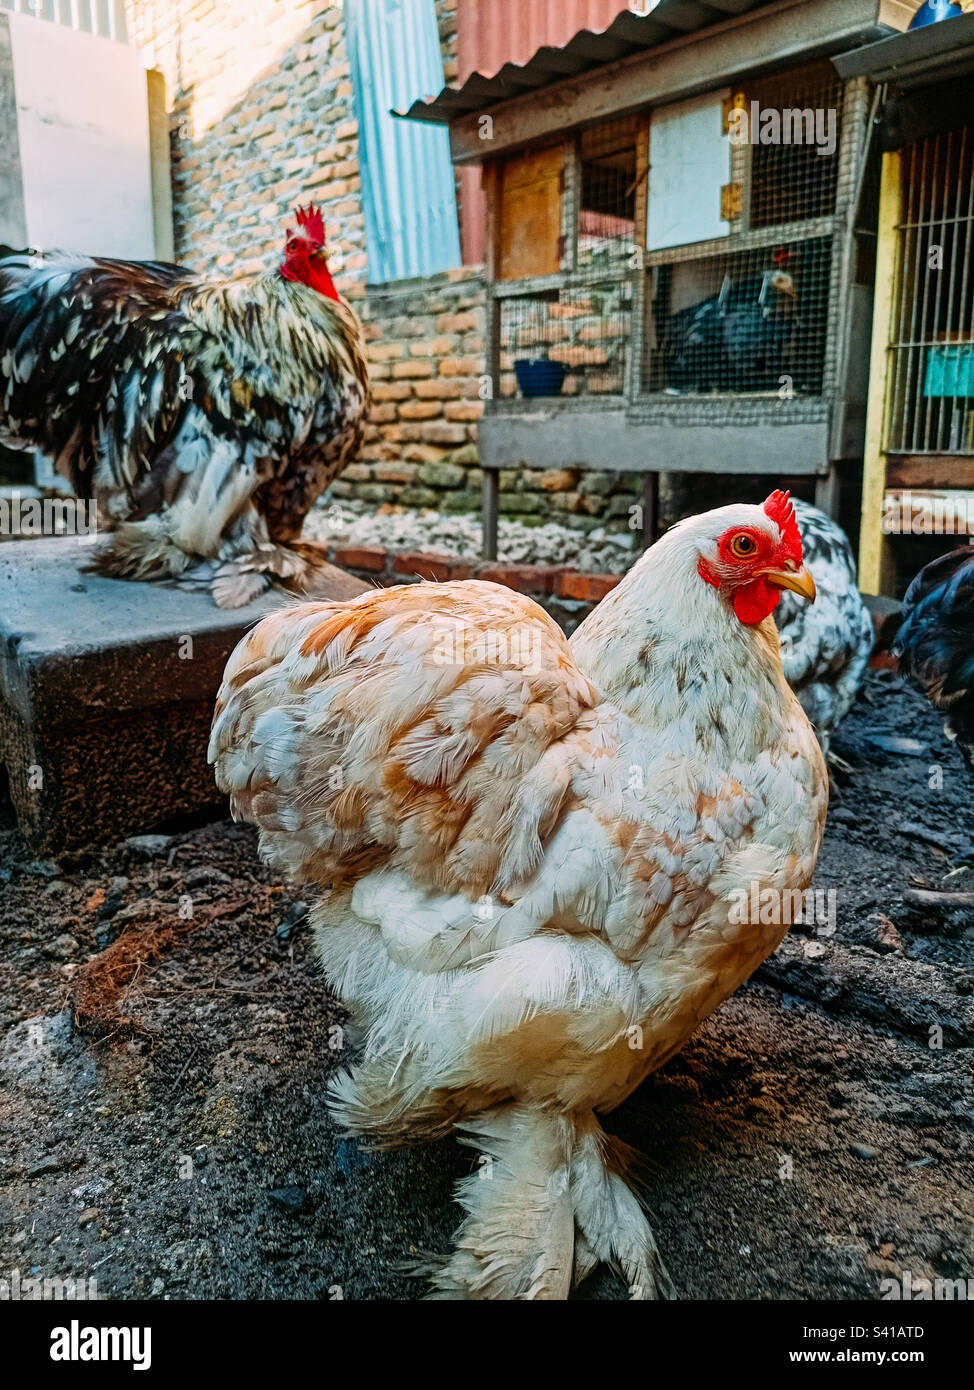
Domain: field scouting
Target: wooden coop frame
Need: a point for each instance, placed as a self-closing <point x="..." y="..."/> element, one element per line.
<point x="532" y="148"/>
<point x="918" y="469"/>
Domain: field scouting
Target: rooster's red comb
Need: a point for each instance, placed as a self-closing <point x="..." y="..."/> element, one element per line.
<point x="311" y="221"/>
<point x="781" y="511"/>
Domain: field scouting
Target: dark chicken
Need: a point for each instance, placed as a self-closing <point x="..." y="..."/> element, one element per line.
<point x="738" y="340"/>
<point x="205" y="417"/>
<point x="935" y="643"/>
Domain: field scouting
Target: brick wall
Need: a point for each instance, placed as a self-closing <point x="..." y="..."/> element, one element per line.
<point x="262" y="117"/>
<point x="425" y="344"/>
<point x="568" y="595"/>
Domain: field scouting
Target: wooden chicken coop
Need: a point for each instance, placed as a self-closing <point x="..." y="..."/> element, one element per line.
<point x="918" y="487"/>
<point x="680" y="243"/>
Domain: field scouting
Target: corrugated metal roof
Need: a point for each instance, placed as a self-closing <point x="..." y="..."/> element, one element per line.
<point x="628" y="33"/>
<point x="512" y="31"/>
<point x="491" y="33"/>
<point x="938" y="51"/>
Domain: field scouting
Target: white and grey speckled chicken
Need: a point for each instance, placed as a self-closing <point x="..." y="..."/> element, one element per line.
<point x="528" y="853"/>
<point x="825" y="648"/>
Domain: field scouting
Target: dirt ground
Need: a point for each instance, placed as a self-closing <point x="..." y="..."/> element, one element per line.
<point x="813" y="1139"/>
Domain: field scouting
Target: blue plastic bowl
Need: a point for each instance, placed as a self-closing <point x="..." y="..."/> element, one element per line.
<point x="536" y="376"/>
<point x="933" y="11"/>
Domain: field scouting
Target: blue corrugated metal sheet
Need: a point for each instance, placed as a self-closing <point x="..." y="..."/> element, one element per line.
<point x="408" y="190"/>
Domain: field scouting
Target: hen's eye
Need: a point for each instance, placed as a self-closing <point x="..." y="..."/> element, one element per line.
<point x="743" y="545"/>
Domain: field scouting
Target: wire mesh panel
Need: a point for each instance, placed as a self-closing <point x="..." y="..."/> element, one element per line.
<point x="570" y="341"/>
<point x="794" y="119"/>
<point x="606" y="195"/>
<point x="569" y="334"/>
<point x="931" y="396"/>
<point x="748" y="312"/>
<point x="750" y="321"/>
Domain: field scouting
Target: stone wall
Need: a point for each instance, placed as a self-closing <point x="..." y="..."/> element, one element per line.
<point x="262" y="117"/>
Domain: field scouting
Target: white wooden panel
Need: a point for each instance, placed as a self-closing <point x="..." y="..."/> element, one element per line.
<point x="83" y="123"/>
<point x="689" y="163"/>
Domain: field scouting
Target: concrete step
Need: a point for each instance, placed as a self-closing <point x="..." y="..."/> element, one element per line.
<point x="106" y="693"/>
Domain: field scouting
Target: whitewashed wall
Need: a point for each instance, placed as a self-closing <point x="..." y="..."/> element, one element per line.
<point x="83" y="131"/>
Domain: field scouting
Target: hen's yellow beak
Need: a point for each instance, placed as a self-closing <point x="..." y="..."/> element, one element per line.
<point x="798" y="580"/>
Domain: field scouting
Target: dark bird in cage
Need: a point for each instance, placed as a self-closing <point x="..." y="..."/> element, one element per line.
<point x="740" y="339"/>
<point x="935" y="643"/>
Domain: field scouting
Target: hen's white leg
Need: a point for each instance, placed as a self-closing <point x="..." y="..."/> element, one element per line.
<point x="548" y="1198"/>
<point x="612" y="1227"/>
<point x="517" y="1240"/>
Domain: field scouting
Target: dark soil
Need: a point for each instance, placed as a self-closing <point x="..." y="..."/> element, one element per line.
<point x="813" y="1139"/>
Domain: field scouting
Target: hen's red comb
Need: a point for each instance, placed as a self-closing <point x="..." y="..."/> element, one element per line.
<point x="781" y="511"/>
<point x="311" y="221"/>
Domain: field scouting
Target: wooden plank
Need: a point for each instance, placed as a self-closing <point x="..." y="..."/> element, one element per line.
<point x="489" y="494"/>
<point x="746" y="241"/>
<point x="549" y="437"/>
<point x="492" y="344"/>
<point x="160" y="166"/>
<point x="873" y="544"/>
<point x="853" y="153"/>
<point x="530" y="285"/>
<point x="650" y="508"/>
<point x="13" y="218"/>
<point x="530" y="214"/>
<point x="491" y="179"/>
<point x="827" y="492"/>
<point x="788" y="32"/>
<point x="933" y="470"/>
<point x="634" y="359"/>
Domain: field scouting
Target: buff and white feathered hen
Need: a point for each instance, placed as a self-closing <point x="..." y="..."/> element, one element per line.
<point x="529" y="853"/>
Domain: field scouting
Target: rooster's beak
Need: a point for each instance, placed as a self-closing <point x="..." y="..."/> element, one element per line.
<point x="798" y="580"/>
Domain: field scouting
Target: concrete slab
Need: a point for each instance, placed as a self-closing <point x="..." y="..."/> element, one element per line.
<point x="106" y="693"/>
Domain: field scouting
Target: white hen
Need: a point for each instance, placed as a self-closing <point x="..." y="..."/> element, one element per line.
<point x="531" y="858"/>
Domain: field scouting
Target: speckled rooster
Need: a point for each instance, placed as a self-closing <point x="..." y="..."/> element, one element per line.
<point x="204" y="416"/>
<point x="528" y="854"/>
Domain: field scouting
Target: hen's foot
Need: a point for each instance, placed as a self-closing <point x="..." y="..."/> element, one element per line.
<point x="300" y="569"/>
<point x="611" y="1225"/>
<point x="546" y="1204"/>
<point x="839" y="764"/>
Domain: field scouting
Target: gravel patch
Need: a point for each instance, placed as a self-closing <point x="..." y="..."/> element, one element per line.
<point x="405" y="529"/>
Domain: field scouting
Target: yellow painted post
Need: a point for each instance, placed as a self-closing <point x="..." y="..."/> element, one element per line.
<point x="888" y="270"/>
